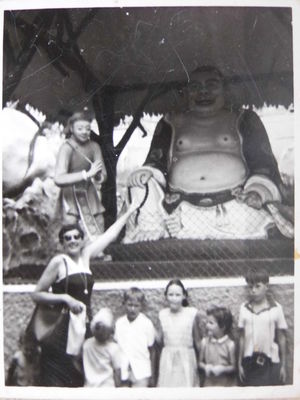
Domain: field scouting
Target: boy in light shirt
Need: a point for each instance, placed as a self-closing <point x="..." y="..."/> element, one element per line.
<point x="135" y="334"/>
<point x="262" y="343"/>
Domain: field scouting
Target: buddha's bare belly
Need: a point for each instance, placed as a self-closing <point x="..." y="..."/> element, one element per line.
<point x="207" y="172"/>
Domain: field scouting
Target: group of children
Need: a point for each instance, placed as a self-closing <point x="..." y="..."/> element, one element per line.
<point x="131" y="352"/>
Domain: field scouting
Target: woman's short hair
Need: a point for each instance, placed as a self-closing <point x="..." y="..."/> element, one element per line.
<point x="67" y="228"/>
<point x="223" y="317"/>
<point x="178" y="282"/>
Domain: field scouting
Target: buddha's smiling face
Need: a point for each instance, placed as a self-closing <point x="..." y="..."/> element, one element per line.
<point x="206" y="92"/>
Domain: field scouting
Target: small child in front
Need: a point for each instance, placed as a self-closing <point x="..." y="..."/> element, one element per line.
<point x="102" y="356"/>
<point x="25" y="365"/>
<point x="262" y="358"/>
<point x="135" y="334"/>
<point x="217" y="350"/>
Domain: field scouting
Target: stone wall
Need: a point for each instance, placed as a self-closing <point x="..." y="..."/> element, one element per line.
<point x="18" y="308"/>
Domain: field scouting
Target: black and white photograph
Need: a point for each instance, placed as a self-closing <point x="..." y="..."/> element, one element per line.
<point x="132" y="268"/>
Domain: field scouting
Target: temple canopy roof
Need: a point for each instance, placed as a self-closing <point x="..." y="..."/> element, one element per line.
<point x="59" y="59"/>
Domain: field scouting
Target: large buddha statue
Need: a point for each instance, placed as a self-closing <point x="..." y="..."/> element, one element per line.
<point x="210" y="171"/>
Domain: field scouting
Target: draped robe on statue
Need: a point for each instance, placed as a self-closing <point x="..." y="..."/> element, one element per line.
<point x="199" y="164"/>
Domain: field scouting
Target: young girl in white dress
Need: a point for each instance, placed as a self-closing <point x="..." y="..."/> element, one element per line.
<point x="178" y="337"/>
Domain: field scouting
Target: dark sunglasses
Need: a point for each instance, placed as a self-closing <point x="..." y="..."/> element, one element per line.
<point x="68" y="238"/>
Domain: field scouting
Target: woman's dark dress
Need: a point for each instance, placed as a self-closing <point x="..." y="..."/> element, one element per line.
<point x="57" y="367"/>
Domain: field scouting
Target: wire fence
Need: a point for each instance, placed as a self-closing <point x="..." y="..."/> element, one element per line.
<point x="231" y="220"/>
<point x="169" y="258"/>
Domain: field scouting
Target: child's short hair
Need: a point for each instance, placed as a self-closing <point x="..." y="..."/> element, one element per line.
<point x="134" y="293"/>
<point x="105" y="316"/>
<point x="178" y="282"/>
<point x="257" y="276"/>
<point x="223" y="317"/>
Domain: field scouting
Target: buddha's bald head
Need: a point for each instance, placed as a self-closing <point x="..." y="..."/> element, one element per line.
<point x="206" y="90"/>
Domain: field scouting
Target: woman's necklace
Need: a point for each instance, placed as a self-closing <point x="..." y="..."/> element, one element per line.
<point x="82" y="275"/>
<point x="84" y="280"/>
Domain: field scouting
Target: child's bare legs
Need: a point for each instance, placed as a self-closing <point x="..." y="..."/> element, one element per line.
<point x="133" y="382"/>
<point x="141" y="383"/>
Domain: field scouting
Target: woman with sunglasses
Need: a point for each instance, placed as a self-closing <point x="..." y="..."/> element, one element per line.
<point x="69" y="276"/>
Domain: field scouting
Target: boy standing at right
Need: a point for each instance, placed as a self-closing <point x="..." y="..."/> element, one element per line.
<point x="262" y="360"/>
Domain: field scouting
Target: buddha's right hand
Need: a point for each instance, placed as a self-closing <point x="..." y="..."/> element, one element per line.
<point x="173" y="223"/>
<point x="139" y="178"/>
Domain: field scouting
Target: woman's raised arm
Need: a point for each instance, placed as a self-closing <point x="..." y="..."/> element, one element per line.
<point x="101" y="242"/>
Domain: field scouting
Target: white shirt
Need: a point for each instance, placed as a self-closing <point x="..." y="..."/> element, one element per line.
<point x="100" y="360"/>
<point x="259" y="329"/>
<point x="134" y="339"/>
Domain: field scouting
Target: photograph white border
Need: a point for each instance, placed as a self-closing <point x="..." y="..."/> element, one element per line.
<point x="278" y="392"/>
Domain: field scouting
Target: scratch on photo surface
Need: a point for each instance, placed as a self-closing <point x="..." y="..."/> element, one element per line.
<point x="103" y="52"/>
<point x="97" y="89"/>
<point x="140" y="22"/>
<point x="177" y="14"/>
<point x="250" y="75"/>
<point x="180" y="60"/>
<point x="37" y="49"/>
<point x="15" y="29"/>
<point x="254" y="25"/>
<point x="41" y="89"/>
<point x="41" y="69"/>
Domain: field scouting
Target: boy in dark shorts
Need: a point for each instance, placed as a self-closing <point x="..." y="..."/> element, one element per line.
<point x="262" y="358"/>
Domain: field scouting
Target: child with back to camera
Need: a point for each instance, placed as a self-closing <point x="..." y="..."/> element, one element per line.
<point x="135" y="334"/>
<point x="217" y="350"/>
<point x="102" y="356"/>
<point x="262" y="343"/>
<point x="178" y="336"/>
